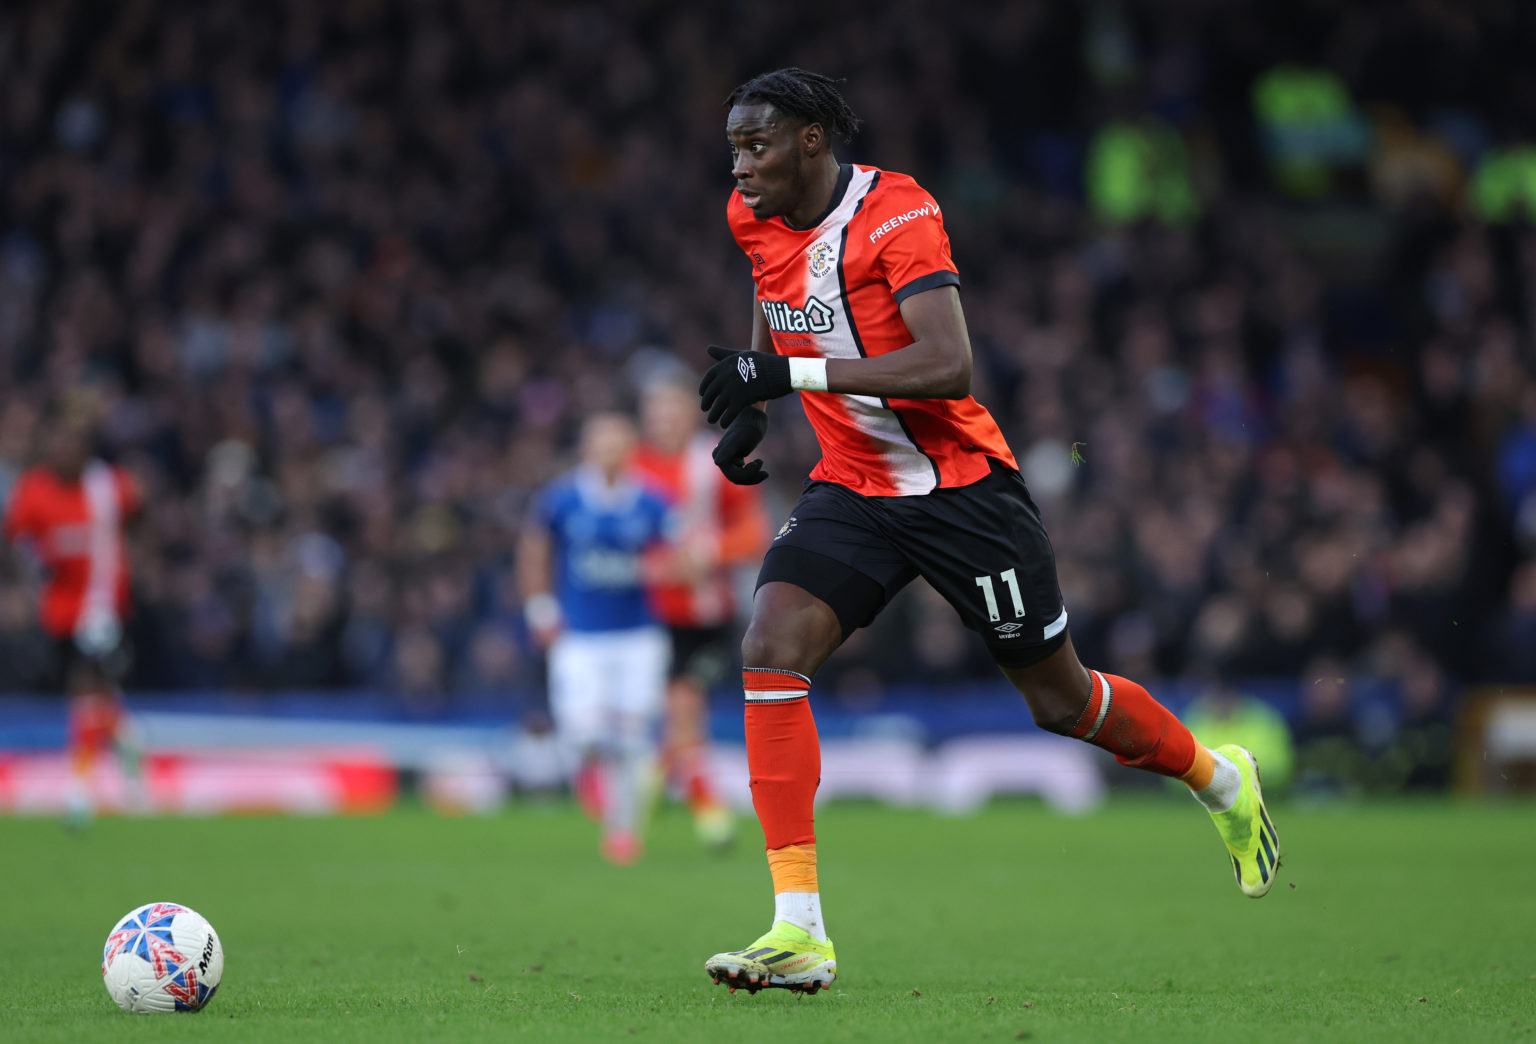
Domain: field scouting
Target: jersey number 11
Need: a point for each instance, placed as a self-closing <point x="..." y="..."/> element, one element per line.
<point x="1009" y="577"/>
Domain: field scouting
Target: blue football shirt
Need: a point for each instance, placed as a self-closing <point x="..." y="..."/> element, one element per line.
<point x="598" y="534"/>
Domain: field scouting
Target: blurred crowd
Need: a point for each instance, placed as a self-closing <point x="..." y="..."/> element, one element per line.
<point x="339" y="281"/>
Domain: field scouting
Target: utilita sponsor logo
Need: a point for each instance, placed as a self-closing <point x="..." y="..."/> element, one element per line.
<point x="926" y="210"/>
<point x="815" y="317"/>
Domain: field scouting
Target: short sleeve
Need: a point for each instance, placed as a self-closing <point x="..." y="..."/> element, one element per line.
<point x="546" y="508"/>
<point x="913" y="248"/>
<point x="741" y="223"/>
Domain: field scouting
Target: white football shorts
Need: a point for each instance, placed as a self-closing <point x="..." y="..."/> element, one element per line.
<point x="606" y="685"/>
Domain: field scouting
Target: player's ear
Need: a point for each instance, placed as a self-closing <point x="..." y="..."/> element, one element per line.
<point x="813" y="138"/>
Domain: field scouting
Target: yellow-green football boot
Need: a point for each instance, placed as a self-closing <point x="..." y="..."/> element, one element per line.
<point x="787" y="958"/>
<point x="1245" y="827"/>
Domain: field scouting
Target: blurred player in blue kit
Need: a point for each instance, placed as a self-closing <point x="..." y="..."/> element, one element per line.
<point x="582" y="566"/>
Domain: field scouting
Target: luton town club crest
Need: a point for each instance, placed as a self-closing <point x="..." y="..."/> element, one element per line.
<point x="822" y="258"/>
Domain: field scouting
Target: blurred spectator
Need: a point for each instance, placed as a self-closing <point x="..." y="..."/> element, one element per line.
<point x="1418" y="756"/>
<point x="493" y="663"/>
<point x="1330" y="757"/>
<point x="1309" y="125"/>
<point x="1224" y="715"/>
<point x="1513" y="639"/>
<point x="1136" y="172"/>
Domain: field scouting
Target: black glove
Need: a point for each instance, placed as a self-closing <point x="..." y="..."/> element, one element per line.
<point x="741" y="438"/>
<point x="740" y="379"/>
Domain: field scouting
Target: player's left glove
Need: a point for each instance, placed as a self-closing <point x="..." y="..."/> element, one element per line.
<point x="741" y="438"/>
<point x="739" y="379"/>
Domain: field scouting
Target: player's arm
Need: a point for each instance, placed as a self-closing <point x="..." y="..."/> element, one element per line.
<point x="535" y="581"/>
<point x="762" y="337"/>
<point x="936" y="365"/>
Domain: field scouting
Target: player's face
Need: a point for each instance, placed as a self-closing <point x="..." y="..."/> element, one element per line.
<point x="67" y="450"/>
<point x="767" y="159"/>
<point x="607" y="441"/>
<point x="668" y="416"/>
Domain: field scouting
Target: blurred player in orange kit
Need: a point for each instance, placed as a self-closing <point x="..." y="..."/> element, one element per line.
<point x="720" y="525"/>
<point x="69" y="512"/>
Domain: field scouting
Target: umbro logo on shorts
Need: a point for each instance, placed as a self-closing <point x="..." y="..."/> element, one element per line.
<point x="1007" y="630"/>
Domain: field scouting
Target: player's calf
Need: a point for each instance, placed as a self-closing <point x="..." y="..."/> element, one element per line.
<point x="1122" y="717"/>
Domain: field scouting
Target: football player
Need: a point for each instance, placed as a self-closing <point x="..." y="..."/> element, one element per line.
<point x="580" y="568"/>
<point x="857" y="308"/>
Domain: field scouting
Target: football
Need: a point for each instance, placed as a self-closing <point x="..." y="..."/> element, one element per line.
<point x="162" y="957"/>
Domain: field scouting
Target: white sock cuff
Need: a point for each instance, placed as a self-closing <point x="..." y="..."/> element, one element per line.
<point x="1226" y="784"/>
<point x="803" y="910"/>
<point x="778" y="685"/>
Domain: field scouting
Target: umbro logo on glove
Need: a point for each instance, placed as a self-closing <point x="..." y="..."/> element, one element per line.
<point x="761" y="377"/>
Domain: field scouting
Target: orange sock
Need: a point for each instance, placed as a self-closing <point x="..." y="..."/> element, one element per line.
<point x="783" y="756"/>
<point x="81" y="758"/>
<point x="695" y="780"/>
<point x="1125" y="720"/>
<point x="93" y="722"/>
<point x="793" y="868"/>
<point x="1202" y="771"/>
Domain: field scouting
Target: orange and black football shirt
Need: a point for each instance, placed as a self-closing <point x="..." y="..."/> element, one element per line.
<point x="834" y="291"/>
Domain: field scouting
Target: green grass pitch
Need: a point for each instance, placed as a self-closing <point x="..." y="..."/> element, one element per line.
<point x="1392" y="923"/>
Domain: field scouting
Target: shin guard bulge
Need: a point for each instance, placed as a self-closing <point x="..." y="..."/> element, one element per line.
<point x="784" y="760"/>
<point x="1124" y="719"/>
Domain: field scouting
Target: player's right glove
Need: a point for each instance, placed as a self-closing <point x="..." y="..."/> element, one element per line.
<point x="739" y="379"/>
<point x="741" y="438"/>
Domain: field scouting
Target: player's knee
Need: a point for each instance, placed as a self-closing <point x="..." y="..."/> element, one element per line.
<point x="1056" y="689"/>
<point x="761" y="647"/>
<point x="1054" y="709"/>
<point x="1062" y="726"/>
<point x="766" y="645"/>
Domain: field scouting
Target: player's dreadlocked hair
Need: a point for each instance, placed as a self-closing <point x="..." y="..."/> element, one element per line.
<point x="796" y="92"/>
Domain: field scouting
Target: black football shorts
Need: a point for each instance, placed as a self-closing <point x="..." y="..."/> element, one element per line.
<point x="704" y="655"/>
<point x="70" y="667"/>
<point x="982" y="546"/>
